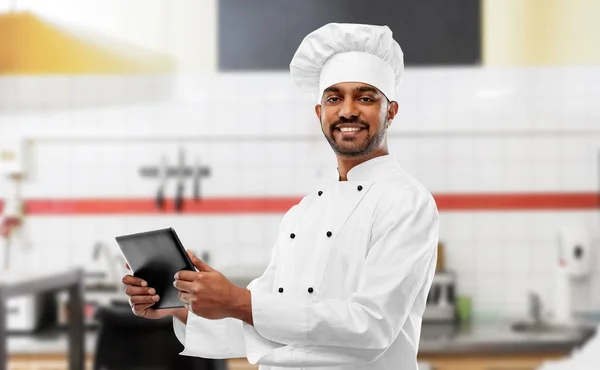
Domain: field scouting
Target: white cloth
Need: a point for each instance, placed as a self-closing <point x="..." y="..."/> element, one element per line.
<point x="369" y="278"/>
<point x="345" y="52"/>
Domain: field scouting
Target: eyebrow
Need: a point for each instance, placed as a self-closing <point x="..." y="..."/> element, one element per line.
<point x="332" y="89"/>
<point x="367" y="89"/>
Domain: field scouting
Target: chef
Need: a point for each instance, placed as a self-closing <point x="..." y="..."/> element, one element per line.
<point x="353" y="262"/>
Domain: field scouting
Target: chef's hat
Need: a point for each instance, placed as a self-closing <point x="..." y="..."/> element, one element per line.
<point x="341" y="52"/>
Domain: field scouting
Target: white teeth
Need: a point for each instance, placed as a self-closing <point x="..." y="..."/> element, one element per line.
<point x="349" y="129"/>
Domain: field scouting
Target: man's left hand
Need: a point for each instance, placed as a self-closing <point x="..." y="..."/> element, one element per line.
<point x="207" y="293"/>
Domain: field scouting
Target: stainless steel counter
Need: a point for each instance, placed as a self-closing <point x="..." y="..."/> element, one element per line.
<point x="21" y="283"/>
<point x="500" y="338"/>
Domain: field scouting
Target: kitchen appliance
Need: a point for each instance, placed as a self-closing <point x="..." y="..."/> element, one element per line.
<point x="31" y="313"/>
<point x="441" y="301"/>
<point x="575" y="251"/>
<point x="572" y="271"/>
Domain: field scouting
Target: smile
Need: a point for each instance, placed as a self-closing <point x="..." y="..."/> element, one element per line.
<point x="349" y="132"/>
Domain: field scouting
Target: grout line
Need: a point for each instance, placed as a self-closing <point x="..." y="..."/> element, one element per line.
<point x="269" y="138"/>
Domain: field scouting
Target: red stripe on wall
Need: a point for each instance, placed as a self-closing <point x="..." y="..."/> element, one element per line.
<point x="241" y="205"/>
<point x="148" y="206"/>
<point x="518" y="202"/>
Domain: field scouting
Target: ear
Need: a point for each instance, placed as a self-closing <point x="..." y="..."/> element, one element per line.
<point x="392" y="111"/>
<point x="318" y="111"/>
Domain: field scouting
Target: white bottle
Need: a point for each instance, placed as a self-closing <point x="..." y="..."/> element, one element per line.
<point x="562" y="295"/>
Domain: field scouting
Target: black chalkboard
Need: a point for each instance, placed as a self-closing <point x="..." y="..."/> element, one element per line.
<point x="264" y="34"/>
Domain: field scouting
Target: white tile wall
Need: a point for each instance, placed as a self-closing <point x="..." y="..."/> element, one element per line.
<point x="458" y="131"/>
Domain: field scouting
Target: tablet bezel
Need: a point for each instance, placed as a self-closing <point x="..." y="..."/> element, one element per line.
<point x="180" y="248"/>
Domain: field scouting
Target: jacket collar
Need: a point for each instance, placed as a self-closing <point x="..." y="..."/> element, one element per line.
<point x="372" y="169"/>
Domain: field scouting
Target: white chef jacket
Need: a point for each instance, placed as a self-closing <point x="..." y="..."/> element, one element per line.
<point x="347" y="282"/>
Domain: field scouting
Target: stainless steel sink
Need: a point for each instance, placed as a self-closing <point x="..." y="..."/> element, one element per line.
<point x="536" y="324"/>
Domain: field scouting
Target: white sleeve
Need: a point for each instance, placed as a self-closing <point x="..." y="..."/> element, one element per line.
<point x="401" y="261"/>
<point x="179" y="329"/>
<point x="215" y="339"/>
<point x="209" y="338"/>
<point x="223" y="338"/>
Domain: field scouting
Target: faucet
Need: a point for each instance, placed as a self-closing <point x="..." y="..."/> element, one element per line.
<point x="535" y="309"/>
<point x="101" y="248"/>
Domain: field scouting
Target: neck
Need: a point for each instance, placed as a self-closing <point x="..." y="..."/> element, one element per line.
<point x="346" y="164"/>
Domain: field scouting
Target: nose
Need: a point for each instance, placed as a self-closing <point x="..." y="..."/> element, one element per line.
<point x="348" y="109"/>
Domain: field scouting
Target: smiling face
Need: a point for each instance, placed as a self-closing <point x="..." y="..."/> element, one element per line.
<point x="354" y="119"/>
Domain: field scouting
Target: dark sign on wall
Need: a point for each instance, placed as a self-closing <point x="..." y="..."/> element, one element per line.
<point x="264" y="34"/>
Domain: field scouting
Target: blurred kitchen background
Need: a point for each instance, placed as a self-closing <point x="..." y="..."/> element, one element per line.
<point x="124" y="116"/>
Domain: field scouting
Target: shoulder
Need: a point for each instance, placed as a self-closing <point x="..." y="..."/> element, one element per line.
<point x="401" y="194"/>
<point x="405" y="212"/>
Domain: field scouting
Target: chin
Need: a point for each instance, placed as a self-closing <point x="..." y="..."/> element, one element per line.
<point x="351" y="155"/>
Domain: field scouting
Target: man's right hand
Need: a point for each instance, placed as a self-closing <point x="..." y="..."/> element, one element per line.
<point x="142" y="298"/>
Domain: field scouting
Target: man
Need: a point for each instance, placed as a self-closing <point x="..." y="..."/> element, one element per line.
<point x="353" y="263"/>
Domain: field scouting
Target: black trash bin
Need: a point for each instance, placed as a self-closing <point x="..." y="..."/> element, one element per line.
<point x="128" y="342"/>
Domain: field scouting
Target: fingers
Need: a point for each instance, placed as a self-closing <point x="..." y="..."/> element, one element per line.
<point x="200" y="265"/>
<point x="186" y="298"/>
<point x="141" y="309"/>
<point x="132" y="280"/>
<point x="187" y="275"/>
<point x="184" y="286"/>
<point x="135" y="290"/>
<point x="143" y="299"/>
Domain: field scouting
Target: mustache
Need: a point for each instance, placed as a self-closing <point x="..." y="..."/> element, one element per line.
<point x="345" y="120"/>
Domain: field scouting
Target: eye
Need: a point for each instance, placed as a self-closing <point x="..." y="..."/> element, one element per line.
<point x="367" y="99"/>
<point x="333" y="99"/>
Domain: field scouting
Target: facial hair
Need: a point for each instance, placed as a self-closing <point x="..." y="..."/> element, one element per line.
<point x="353" y="150"/>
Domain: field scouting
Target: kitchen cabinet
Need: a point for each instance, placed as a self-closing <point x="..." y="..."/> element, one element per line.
<point x="441" y="362"/>
<point x="456" y="362"/>
<point x="59" y="362"/>
<point x="492" y="362"/>
<point x="44" y="362"/>
<point x="12" y="365"/>
<point x="240" y="364"/>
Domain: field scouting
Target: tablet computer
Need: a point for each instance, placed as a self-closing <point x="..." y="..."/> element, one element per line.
<point x="155" y="256"/>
